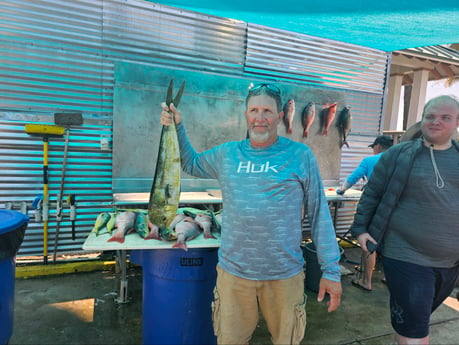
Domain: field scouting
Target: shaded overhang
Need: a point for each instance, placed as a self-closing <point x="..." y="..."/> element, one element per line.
<point x="385" y="25"/>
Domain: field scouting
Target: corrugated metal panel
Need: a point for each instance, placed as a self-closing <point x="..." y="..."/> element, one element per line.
<point x="88" y="176"/>
<point x="52" y="57"/>
<point x="59" y="56"/>
<point x="145" y="32"/>
<point x="312" y="60"/>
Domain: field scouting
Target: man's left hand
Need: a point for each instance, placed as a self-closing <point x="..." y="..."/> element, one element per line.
<point x="334" y="289"/>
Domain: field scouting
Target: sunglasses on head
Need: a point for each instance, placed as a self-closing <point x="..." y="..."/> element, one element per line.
<point x="270" y="87"/>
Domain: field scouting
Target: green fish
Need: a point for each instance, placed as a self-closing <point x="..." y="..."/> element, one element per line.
<point x="101" y="222"/>
<point x="141" y="224"/>
<point x="165" y="190"/>
<point x="111" y="222"/>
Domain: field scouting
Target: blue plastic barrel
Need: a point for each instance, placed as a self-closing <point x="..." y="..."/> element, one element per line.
<point x="177" y="295"/>
<point x="12" y="228"/>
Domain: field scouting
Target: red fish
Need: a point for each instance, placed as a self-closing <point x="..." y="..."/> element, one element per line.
<point x="186" y="230"/>
<point x="205" y="222"/>
<point x="125" y="222"/>
<point x="307" y="118"/>
<point x="154" y="232"/>
<point x="289" y="114"/>
<point x="329" y="116"/>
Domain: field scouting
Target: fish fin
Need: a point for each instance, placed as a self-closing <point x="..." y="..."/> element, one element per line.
<point x="116" y="238"/>
<point x="181" y="245"/>
<point x="209" y="235"/>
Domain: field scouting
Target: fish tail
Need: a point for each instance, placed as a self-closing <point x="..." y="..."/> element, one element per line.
<point x="208" y="235"/>
<point x="116" y="238"/>
<point x="305" y="133"/>
<point x="181" y="245"/>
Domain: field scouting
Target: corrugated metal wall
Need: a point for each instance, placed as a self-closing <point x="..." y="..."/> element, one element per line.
<point x="58" y="56"/>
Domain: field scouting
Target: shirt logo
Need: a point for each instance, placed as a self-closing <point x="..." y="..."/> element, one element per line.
<point x="250" y="168"/>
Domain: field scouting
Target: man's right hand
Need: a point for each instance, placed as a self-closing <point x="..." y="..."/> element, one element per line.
<point x="363" y="238"/>
<point x="169" y="114"/>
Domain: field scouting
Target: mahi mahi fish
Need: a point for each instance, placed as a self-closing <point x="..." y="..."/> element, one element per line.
<point x="165" y="190"/>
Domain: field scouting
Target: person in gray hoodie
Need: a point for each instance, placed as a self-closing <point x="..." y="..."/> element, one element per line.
<point x="409" y="210"/>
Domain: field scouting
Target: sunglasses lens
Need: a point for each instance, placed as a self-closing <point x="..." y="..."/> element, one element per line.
<point x="271" y="87"/>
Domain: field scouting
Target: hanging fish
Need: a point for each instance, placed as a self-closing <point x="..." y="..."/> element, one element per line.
<point x="307" y="118"/>
<point x="328" y="115"/>
<point x="289" y="114"/>
<point x="343" y="122"/>
<point x="165" y="190"/>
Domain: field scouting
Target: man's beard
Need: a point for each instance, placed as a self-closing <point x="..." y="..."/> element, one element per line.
<point x="258" y="137"/>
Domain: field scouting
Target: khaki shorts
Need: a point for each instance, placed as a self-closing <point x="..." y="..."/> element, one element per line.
<point x="236" y="304"/>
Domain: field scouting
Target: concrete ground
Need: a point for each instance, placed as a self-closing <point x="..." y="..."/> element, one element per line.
<point x="80" y="308"/>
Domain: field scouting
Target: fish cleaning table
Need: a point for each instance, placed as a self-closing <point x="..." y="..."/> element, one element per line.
<point x="187" y="276"/>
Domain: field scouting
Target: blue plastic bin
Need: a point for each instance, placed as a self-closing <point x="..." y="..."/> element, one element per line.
<point x="177" y="295"/>
<point x="12" y="229"/>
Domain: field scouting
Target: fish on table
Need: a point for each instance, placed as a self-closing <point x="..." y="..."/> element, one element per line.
<point x="101" y="221"/>
<point x="165" y="190"/>
<point x="111" y="222"/>
<point x="328" y="115"/>
<point x="307" y="118"/>
<point x="343" y="123"/>
<point x="289" y="114"/>
<point x="125" y="222"/>
<point x="205" y="222"/>
<point x="167" y="233"/>
<point x="186" y="230"/>
<point x="141" y="224"/>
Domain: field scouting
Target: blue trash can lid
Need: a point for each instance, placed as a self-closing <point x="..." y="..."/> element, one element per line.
<point x="11" y="220"/>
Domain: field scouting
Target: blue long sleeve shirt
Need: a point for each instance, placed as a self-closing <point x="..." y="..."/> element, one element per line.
<point x="365" y="168"/>
<point x="263" y="190"/>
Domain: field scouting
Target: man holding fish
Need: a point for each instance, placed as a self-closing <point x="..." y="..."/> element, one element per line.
<point x="264" y="181"/>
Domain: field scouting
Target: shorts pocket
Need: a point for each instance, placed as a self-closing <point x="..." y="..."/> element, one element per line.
<point x="300" y="322"/>
<point x="216" y="312"/>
